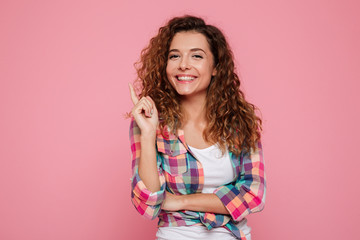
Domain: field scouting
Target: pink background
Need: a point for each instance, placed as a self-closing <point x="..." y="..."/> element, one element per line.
<point x="64" y="149"/>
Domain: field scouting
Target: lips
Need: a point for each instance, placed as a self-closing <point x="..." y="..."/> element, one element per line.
<point x="185" y="78"/>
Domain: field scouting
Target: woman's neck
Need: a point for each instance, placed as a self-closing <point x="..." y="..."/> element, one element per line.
<point x="193" y="109"/>
<point x="194" y="121"/>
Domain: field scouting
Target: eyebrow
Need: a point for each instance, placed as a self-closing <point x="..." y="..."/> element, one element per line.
<point x="191" y="50"/>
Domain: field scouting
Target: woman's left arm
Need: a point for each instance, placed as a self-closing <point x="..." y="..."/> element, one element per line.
<point x="200" y="202"/>
<point x="244" y="196"/>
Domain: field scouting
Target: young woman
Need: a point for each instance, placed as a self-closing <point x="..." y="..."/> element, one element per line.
<point x="197" y="159"/>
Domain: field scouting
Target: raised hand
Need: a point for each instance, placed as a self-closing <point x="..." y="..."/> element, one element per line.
<point x="144" y="112"/>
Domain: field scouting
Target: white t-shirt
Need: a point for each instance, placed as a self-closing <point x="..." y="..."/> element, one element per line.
<point x="218" y="171"/>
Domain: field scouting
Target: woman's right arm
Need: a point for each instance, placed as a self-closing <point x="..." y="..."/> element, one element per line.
<point x="148" y="164"/>
<point x="148" y="182"/>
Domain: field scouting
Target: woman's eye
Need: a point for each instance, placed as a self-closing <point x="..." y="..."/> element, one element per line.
<point x="198" y="56"/>
<point x="173" y="56"/>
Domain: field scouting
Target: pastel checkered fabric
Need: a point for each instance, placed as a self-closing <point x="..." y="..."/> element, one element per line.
<point x="181" y="173"/>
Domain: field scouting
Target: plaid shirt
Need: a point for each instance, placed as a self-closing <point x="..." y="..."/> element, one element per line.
<point x="180" y="173"/>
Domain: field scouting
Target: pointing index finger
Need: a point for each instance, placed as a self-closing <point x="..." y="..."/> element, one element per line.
<point x="134" y="98"/>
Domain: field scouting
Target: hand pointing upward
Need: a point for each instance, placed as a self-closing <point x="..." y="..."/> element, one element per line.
<point x="144" y="112"/>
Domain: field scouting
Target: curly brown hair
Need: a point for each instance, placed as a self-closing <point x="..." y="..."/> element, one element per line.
<point x="231" y="120"/>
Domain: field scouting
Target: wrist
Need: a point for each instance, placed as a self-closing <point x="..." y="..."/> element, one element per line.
<point x="148" y="136"/>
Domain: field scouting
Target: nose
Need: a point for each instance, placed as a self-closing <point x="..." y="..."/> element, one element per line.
<point x="184" y="64"/>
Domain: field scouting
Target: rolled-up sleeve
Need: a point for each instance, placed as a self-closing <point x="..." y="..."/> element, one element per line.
<point x="247" y="194"/>
<point x="147" y="203"/>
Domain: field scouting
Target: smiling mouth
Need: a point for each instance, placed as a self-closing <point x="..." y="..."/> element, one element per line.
<point x="185" y="78"/>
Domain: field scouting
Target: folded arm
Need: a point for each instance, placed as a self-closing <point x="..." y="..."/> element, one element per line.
<point x="237" y="199"/>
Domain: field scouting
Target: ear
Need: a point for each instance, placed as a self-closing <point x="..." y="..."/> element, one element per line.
<point x="214" y="72"/>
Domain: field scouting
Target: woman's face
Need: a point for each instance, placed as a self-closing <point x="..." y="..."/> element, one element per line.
<point x="190" y="64"/>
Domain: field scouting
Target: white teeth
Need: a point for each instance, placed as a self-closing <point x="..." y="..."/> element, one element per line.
<point x="185" y="78"/>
